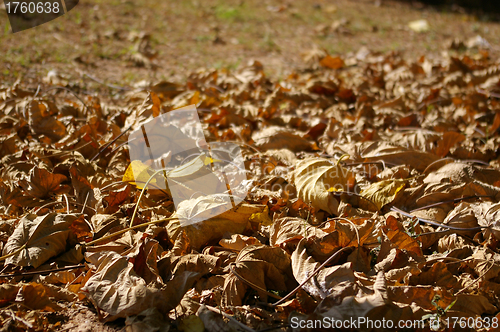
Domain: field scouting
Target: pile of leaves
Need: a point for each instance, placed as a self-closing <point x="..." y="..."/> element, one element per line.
<point x="373" y="192"/>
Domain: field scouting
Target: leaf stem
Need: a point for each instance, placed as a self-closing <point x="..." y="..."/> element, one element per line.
<point x="142" y="193"/>
<point x="310" y="277"/>
<point x="15" y="252"/>
<point x="254" y="286"/>
<point x="128" y="229"/>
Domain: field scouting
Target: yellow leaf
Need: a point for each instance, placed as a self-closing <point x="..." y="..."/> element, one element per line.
<point x="138" y="174"/>
<point x="262" y="217"/>
<point x="192" y="323"/>
<point x="315" y="178"/>
<point x="383" y="192"/>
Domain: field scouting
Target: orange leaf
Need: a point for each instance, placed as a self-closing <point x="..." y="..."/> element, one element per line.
<point x="496" y="123"/>
<point x="449" y="140"/>
<point x="332" y="62"/>
<point x="397" y="236"/>
<point x="81" y="229"/>
<point x="42" y="183"/>
<point x="156" y="104"/>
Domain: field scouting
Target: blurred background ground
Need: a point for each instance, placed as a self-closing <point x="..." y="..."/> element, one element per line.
<point x="123" y="41"/>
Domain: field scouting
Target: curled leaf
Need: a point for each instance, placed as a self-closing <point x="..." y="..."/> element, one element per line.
<point x="315" y="178"/>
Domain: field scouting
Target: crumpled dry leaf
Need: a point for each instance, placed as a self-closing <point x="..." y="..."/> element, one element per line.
<point x="263" y="266"/>
<point x="41" y="297"/>
<point x="42" y="183"/>
<point x="384" y="192"/>
<point x="321" y="284"/>
<point x="233" y="220"/>
<point x="397" y="235"/>
<point x="292" y="230"/>
<point x="488" y="215"/>
<point x="277" y="138"/>
<point x="350" y="302"/>
<point x="43" y="237"/>
<point x="316" y="178"/>
<point x="115" y="287"/>
<point x="238" y="242"/>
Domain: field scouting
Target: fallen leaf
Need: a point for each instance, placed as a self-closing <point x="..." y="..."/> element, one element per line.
<point x="332" y="62"/>
<point x="449" y="140"/>
<point x="261" y="265"/>
<point x="316" y="178"/>
<point x="42" y="183"/>
<point x="40" y="237"/>
<point x="396" y="234"/>
<point x="384" y="192"/>
<point x="320" y="285"/>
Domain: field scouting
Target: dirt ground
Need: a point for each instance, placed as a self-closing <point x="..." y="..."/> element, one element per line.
<point x="123" y="42"/>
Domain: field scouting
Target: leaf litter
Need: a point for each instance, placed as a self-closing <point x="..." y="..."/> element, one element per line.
<point x="374" y="187"/>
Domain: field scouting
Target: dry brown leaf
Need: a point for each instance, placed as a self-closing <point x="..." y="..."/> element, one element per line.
<point x="321" y="284"/>
<point x="238" y="242"/>
<point x="384" y="192"/>
<point x="315" y="179"/>
<point x="292" y="230"/>
<point x="272" y="138"/>
<point x="42" y="183"/>
<point x="449" y="140"/>
<point x="43" y="237"/>
<point x="116" y="288"/>
<point x="263" y="266"/>
<point x="214" y="224"/>
<point x="396" y="234"/>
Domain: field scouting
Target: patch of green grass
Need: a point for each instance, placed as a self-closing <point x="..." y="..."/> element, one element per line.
<point x="78" y="17"/>
<point x="231" y="14"/>
<point x="229" y="66"/>
<point x="268" y="43"/>
<point x="339" y="47"/>
<point x="130" y="77"/>
<point x="202" y="38"/>
<point x="227" y="13"/>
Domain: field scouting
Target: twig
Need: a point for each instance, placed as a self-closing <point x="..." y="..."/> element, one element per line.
<point x="310" y="277"/>
<point x="449" y="201"/>
<point x="254" y="286"/>
<point x="67" y="203"/>
<point x="15" y="252"/>
<point x="112" y="184"/>
<point x="476" y="280"/>
<point x="85" y="203"/>
<point x="435" y="223"/>
<point x="30" y="273"/>
<point x="112" y="141"/>
<point x="112" y="86"/>
<point x="129" y="229"/>
<point x="117" y="148"/>
<point x="243" y="326"/>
